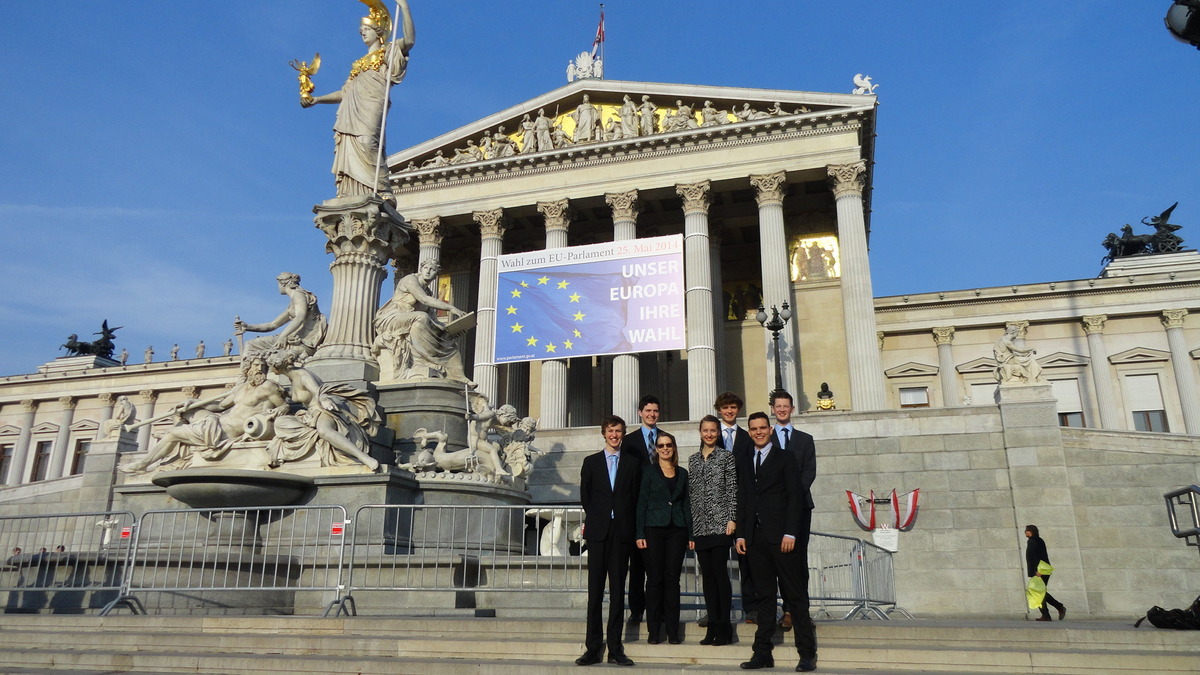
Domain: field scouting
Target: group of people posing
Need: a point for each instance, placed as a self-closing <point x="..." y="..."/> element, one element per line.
<point x="746" y="488"/>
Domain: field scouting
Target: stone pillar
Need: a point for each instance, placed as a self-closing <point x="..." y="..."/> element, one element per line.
<point x="18" y="469"/>
<point x="108" y="400"/>
<point x="149" y="396"/>
<point x="62" y="449"/>
<point x="362" y="238"/>
<point x="866" y="370"/>
<point x="718" y="299"/>
<point x="1185" y="374"/>
<point x="777" y="284"/>
<point x="491" y="228"/>
<point x="1106" y="399"/>
<point x="554" y="371"/>
<point x="943" y="336"/>
<point x="430" y="233"/>
<point x="579" y="387"/>
<point x="702" y="359"/>
<point x="625" y="375"/>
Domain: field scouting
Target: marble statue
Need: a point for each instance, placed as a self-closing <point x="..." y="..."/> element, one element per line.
<point x="335" y="425"/>
<point x="682" y="118"/>
<point x="485" y="146"/>
<point x="747" y="114"/>
<point x="542" y="129"/>
<point x="586" y="117"/>
<point x="436" y="162"/>
<point x="564" y="525"/>
<point x="409" y="334"/>
<point x="124" y="356"/>
<point x="647" y="111"/>
<point x="584" y="66"/>
<point x="712" y="117"/>
<point x="528" y="135"/>
<point x="210" y="427"/>
<point x="502" y="145"/>
<point x="612" y="130"/>
<point x="489" y="420"/>
<point x="175" y="352"/>
<point x="122" y="414"/>
<point x="200" y="350"/>
<point x="559" y="138"/>
<point x="629" y="118"/>
<point x="471" y="153"/>
<point x="149" y="353"/>
<point x="519" y="453"/>
<point x="302" y="322"/>
<point x="427" y="459"/>
<point x="363" y="100"/>
<point x="862" y="85"/>
<point x="1014" y="363"/>
<point x="227" y="347"/>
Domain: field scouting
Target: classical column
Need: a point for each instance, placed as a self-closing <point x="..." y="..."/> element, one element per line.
<point x="777" y="284"/>
<point x="108" y="400"/>
<point x="18" y="470"/>
<point x="1106" y="399"/>
<point x="58" y="458"/>
<point x="148" y="396"/>
<point x="866" y="369"/>
<point x="362" y="238"/>
<point x="491" y="229"/>
<point x="580" y="386"/>
<point x="554" y="371"/>
<point x="625" y="376"/>
<point x="1185" y="374"/>
<point x="943" y="336"/>
<point x="702" y="358"/>
<point x="718" y="300"/>
<point x="430" y="233"/>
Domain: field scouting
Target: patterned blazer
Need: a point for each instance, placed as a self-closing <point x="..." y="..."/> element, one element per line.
<point x="714" y="491"/>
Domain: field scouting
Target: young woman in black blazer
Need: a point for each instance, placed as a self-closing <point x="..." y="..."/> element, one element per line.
<point x="664" y="527"/>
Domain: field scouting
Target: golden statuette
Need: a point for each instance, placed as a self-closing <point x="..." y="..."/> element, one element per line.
<point x="306" y="71"/>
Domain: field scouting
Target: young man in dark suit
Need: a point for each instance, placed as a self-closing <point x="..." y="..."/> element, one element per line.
<point x="640" y="442"/>
<point x="770" y="501"/>
<point x="784" y="435"/>
<point x="737" y="440"/>
<point x="608" y="487"/>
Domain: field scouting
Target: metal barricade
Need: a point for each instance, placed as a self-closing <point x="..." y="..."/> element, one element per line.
<point x="64" y="563"/>
<point x="244" y="560"/>
<point x="1187" y="498"/>
<point x="851" y="573"/>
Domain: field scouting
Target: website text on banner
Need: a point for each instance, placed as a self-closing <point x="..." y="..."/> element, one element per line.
<point x="618" y="297"/>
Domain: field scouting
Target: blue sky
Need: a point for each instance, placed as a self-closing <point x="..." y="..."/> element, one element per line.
<point x="157" y="171"/>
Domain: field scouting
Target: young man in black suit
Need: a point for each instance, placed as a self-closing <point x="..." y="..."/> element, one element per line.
<point x="640" y="442"/>
<point x="770" y="501"/>
<point x="737" y="440"/>
<point x="784" y="435"/>
<point x="609" y="482"/>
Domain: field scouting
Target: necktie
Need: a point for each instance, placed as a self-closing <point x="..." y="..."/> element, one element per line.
<point x="787" y="435"/>
<point x="652" y="435"/>
<point x="612" y="471"/>
<point x="757" y="461"/>
<point x="729" y="438"/>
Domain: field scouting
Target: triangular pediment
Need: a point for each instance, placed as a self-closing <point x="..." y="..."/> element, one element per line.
<point x="45" y="428"/>
<point x="499" y="140"/>
<point x="1140" y="355"/>
<point x="84" y="426"/>
<point x="1195" y="353"/>
<point x="983" y="364"/>
<point x="911" y="369"/>
<point x="1063" y="359"/>
<point x="9" y="430"/>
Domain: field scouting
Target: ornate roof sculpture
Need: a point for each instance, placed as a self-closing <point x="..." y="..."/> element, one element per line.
<point x="1162" y="240"/>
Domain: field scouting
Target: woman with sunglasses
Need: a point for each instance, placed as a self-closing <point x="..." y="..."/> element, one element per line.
<point x="664" y="527"/>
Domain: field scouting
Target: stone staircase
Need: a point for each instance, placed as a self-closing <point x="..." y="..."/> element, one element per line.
<point x="453" y="642"/>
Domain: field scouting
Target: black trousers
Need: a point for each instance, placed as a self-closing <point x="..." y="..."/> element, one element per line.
<point x="637" y="582"/>
<point x="608" y="561"/>
<point x="787" y="572"/>
<point x="718" y="592"/>
<point x="1049" y="600"/>
<point x="664" y="551"/>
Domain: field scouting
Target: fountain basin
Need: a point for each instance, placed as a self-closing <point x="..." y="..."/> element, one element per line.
<point x="232" y="488"/>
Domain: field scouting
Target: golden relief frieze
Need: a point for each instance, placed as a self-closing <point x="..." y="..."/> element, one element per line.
<point x="814" y="258"/>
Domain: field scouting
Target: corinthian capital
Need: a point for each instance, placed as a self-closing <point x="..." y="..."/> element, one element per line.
<point x="624" y="205"/>
<point x="768" y="188"/>
<point x="359" y="229"/>
<point x="148" y="395"/>
<point x="29" y="405"/>
<point x="943" y="335"/>
<point x="695" y="197"/>
<point x="429" y="230"/>
<point x="848" y="179"/>
<point x="557" y="214"/>
<point x="106" y="398"/>
<point x="1094" y="323"/>
<point x="1173" y="318"/>
<point x="67" y="401"/>
<point x="491" y="223"/>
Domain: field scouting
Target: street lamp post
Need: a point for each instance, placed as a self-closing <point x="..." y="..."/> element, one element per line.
<point x="779" y="319"/>
<point x="1183" y="20"/>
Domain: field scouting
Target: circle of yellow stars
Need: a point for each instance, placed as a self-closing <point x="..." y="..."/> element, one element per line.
<point x="532" y="340"/>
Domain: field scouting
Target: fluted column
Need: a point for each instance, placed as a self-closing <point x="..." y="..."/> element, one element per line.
<point x="18" y="470"/>
<point x="491" y="229"/>
<point x="62" y="450"/>
<point x="697" y="267"/>
<point x="108" y="400"/>
<point x="866" y="370"/>
<point x="625" y="377"/>
<point x="718" y="301"/>
<point x="1185" y="374"/>
<point x="1106" y="399"/>
<point x="777" y="284"/>
<point x="362" y="238"/>
<point x="430" y="233"/>
<point x="943" y="337"/>
<point x="148" y="397"/>
<point x="554" y="371"/>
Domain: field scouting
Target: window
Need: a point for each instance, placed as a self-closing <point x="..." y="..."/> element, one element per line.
<point x="6" y="457"/>
<point x="82" y="447"/>
<point x="914" y="397"/>
<point x="1146" y="403"/>
<point x="983" y="393"/>
<point x="1070" y="405"/>
<point x="41" y="460"/>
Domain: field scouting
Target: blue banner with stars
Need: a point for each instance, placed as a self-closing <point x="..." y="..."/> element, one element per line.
<point x="619" y="297"/>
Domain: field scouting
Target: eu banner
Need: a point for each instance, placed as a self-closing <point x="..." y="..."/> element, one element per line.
<point x="613" y="298"/>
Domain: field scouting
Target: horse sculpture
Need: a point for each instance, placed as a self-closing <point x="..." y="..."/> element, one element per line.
<point x="103" y="347"/>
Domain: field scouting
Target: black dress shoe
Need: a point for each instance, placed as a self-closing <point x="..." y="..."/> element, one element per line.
<point x="807" y="664"/>
<point x="653" y="640"/>
<point x="675" y="640"/>
<point x="635" y="617"/>
<point x="708" y="639"/>
<point x="620" y="660"/>
<point x="588" y="658"/>
<point x="757" y="662"/>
